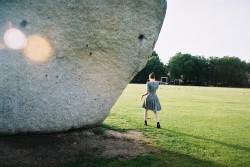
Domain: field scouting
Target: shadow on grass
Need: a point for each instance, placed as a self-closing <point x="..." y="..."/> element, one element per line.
<point x="211" y="140"/>
<point x="163" y="158"/>
<point x="234" y="146"/>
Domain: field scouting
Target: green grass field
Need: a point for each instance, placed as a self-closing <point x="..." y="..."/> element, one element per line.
<point x="201" y="126"/>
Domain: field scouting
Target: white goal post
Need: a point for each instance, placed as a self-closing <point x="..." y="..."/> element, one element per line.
<point x="164" y="80"/>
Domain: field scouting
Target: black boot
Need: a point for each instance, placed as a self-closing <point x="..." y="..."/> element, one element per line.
<point x="145" y="123"/>
<point x="158" y="125"/>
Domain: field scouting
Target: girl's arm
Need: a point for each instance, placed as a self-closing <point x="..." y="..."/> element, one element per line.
<point x="145" y="94"/>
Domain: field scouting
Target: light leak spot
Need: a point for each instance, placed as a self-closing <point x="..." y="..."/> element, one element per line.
<point x="38" y="49"/>
<point x="2" y="46"/>
<point x="15" y="39"/>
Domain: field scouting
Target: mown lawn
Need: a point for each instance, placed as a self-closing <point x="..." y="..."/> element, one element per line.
<point x="201" y="126"/>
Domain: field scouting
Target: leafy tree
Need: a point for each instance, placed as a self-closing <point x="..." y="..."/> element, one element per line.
<point x="155" y="65"/>
<point x="213" y="71"/>
<point x="175" y="66"/>
<point x="248" y="67"/>
<point x="200" y="70"/>
<point x="192" y="69"/>
<point x="232" y="72"/>
<point x="248" y="74"/>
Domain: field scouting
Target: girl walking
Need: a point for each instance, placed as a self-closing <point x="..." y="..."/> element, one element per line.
<point x="152" y="102"/>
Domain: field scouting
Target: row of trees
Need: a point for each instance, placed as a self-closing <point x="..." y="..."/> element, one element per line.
<point x="198" y="70"/>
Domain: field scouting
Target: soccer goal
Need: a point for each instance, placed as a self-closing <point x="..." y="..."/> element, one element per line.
<point x="164" y="80"/>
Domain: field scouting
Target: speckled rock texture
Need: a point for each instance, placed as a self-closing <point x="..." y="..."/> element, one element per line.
<point x="78" y="58"/>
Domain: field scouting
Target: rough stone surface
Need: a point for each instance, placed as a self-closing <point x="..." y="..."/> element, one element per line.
<point x="79" y="57"/>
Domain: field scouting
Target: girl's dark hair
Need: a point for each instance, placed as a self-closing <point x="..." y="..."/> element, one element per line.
<point x="152" y="75"/>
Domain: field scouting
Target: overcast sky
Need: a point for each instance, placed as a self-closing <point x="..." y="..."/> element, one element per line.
<point x="207" y="28"/>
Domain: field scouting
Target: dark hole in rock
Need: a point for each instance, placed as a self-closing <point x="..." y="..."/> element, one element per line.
<point x="23" y="23"/>
<point x="141" y="37"/>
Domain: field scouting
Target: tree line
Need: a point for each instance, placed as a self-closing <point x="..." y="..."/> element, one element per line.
<point x="198" y="70"/>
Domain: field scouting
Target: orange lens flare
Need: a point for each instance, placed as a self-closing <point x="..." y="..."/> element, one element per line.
<point x="38" y="49"/>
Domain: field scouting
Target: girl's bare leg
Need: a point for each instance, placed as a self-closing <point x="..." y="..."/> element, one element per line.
<point x="157" y="119"/>
<point x="157" y="116"/>
<point x="145" y="117"/>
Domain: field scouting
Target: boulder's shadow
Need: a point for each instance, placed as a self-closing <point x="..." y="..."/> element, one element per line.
<point x="40" y="150"/>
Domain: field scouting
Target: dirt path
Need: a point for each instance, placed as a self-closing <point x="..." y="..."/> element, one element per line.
<point x="51" y="149"/>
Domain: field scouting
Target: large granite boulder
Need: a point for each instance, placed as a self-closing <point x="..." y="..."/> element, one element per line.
<point x="64" y="63"/>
